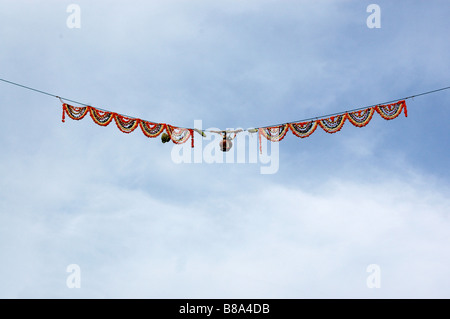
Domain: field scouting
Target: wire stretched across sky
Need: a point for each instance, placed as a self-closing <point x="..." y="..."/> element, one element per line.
<point x="272" y="125"/>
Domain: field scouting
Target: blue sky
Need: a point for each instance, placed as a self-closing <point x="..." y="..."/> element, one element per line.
<point x="140" y="225"/>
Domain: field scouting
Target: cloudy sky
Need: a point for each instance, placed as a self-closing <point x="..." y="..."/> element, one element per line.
<point x="140" y="225"/>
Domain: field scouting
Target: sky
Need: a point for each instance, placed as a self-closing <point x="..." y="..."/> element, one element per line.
<point x="363" y="213"/>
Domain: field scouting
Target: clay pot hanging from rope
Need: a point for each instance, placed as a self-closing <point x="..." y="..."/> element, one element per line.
<point x="225" y="144"/>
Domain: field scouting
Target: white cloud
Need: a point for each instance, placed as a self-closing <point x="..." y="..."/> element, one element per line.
<point x="271" y="242"/>
<point x="141" y="226"/>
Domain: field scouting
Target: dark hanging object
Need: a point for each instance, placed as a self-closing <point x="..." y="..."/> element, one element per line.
<point x="225" y="143"/>
<point x="165" y="137"/>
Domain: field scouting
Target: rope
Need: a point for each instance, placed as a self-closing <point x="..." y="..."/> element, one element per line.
<point x="236" y="131"/>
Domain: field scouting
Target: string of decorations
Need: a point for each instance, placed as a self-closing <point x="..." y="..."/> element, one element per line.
<point x="178" y="135"/>
<point x="334" y="123"/>
<point x="127" y="124"/>
<point x="331" y="123"/>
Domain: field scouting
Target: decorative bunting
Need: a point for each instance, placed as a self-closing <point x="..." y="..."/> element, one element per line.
<point x="274" y="134"/>
<point x="358" y="117"/>
<point x="303" y="129"/>
<point x="126" y="124"/>
<point x="129" y="124"/>
<point x="391" y="111"/>
<point x="333" y="124"/>
<point x="151" y="129"/>
<point x="75" y="112"/>
<point x="178" y="135"/>
<point x="102" y="118"/>
<point x="362" y="117"/>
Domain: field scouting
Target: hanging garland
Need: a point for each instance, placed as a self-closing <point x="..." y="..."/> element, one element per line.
<point x="276" y="133"/>
<point x="180" y="135"/>
<point x="127" y="125"/>
<point x="102" y="118"/>
<point x="391" y="111"/>
<point x="303" y="129"/>
<point x="362" y="117"/>
<point x="151" y="129"/>
<point x="333" y="124"/>
<point x="74" y="112"/>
